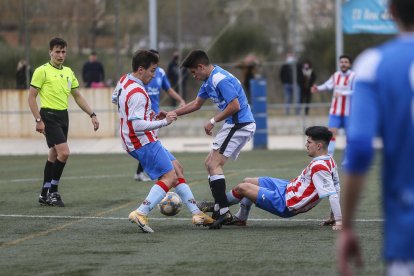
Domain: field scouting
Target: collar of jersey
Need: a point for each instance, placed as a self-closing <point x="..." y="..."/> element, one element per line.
<point x="211" y="73"/>
<point x="55" y="66"/>
<point x="322" y="157"/>
<point x="349" y="71"/>
<point x="131" y="77"/>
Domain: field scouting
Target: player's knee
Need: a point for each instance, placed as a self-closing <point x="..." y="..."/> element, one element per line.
<point x="179" y="169"/>
<point x="63" y="155"/>
<point x="248" y="180"/>
<point x="241" y="188"/>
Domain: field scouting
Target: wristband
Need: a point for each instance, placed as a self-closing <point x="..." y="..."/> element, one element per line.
<point x="93" y="114"/>
<point x="212" y="121"/>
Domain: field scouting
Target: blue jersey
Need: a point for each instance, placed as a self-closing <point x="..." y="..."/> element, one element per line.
<point x="222" y="88"/>
<point x="383" y="104"/>
<point x="158" y="82"/>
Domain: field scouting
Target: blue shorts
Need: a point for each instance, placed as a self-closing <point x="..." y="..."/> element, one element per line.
<point x="155" y="159"/>
<point x="272" y="196"/>
<point x="336" y="121"/>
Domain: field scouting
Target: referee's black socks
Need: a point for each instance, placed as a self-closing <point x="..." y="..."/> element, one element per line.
<point x="57" y="170"/>
<point x="47" y="177"/>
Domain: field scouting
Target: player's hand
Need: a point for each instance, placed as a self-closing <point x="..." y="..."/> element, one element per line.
<point x="314" y="89"/>
<point x="337" y="94"/>
<point x="347" y="248"/>
<point x="95" y="123"/>
<point x="171" y="116"/>
<point x="161" y="115"/>
<point x="208" y="128"/>
<point x="40" y="127"/>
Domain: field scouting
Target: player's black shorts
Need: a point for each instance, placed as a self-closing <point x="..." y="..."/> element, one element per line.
<point x="56" y="125"/>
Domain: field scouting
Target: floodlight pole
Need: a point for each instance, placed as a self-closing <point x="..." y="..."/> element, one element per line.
<point x="153" y="24"/>
<point x="339" y="36"/>
<point x="296" y="92"/>
<point x="26" y="43"/>
<point x="179" y="34"/>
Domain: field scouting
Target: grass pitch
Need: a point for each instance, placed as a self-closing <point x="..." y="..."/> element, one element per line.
<point x="92" y="236"/>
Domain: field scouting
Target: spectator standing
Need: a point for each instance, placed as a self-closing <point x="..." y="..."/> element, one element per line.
<point x="289" y="88"/>
<point x="23" y="71"/>
<point x="308" y="81"/>
<point x="173" y="75"/>
<point x="93" y="73"/>
<point x="249" y="70"/>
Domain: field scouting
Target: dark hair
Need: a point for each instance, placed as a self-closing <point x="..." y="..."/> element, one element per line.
<point x="404" y="10"/>
<point x="319" y="133"/>
<point x="347" y="57"/>
<point x="143" y="58"/>
<point x="57" y="42"/>
<point x="93" y="53"/>
<point x="154" y="51"/>
<point x="195" y="58"/>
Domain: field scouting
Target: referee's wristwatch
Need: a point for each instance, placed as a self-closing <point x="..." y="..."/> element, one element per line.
<point x="38" y="120"/>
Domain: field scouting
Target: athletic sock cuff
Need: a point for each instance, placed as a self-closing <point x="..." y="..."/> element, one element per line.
<point x="180" y="181"/>
<point x="236" y="194"/>
<point x="163" y="186"/>
<point x="217" y="176"/>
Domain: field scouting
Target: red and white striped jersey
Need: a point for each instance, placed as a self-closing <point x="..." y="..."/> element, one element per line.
<point x="342" y="85"/>
<point x="318" y="180"/>
<point x="133" y="104"/>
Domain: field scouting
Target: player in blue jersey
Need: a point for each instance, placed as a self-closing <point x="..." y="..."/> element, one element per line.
<point x="383" y="104"/>
<point x="158" y="82"/>
<point x="227" y="93"/>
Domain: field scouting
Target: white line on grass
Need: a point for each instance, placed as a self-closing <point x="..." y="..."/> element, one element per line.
<point x="122" y="175"/>
<point x="178" y="219"/>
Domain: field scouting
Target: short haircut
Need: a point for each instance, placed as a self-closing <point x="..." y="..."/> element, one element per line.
<point x="143" y="58"/>
<point x="404" y="10"/>
<point x="347" y="57"/>
<point x="195" y="58"/>
<point x="57" y="42"/>
<point x="154" y="51"/>
<point x="319" y="133"/>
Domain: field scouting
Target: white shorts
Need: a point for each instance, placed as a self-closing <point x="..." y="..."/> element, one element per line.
<point x="400" y="268"/>
<point x="232" y="137"/>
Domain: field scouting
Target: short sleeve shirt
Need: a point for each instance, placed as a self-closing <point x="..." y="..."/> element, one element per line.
<point x="54" y="85"/>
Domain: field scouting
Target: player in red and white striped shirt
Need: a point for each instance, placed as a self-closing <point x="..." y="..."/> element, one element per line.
<point x="286" y="198"/>
<point x="342" y="84"/>
<point x="137" y="125"/>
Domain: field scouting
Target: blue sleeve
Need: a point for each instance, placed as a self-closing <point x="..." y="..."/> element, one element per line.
<point x="362" y="127"/>
<point x="227" y="90"/>
<point x="165" y="85"/>
<point x="202" y="93"/>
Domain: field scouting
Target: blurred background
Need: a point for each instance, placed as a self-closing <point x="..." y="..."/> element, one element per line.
<point x="251" y="39"/>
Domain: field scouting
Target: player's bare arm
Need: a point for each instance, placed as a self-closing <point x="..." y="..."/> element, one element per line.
<point x="348" y="247"/>
<point x="34" y="108"/>
<point x="190" y="107"/>
<point x="232" y="108"/>
<point x="81" y="102"/>
<point x="173" y="94"/>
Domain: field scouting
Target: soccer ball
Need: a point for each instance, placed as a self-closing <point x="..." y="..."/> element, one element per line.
<point x="170" y="205"/>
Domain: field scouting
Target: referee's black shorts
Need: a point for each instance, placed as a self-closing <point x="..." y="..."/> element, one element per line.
<point x="56" y="126"/>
